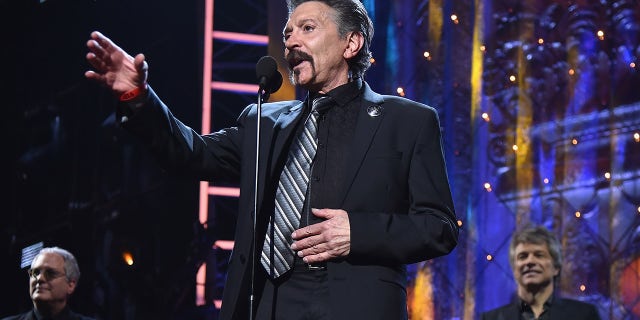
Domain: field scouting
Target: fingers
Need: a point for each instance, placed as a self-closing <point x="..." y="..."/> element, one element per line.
<point x="319" y="227"/>
<point x="315" y="258"/>
<point x="93" y="76"/>
<point x="318" y="213"/>
<point x="309" y="242"/>
<point x="104" y="42"/>
<point x="318" y="251"/>
<point x="310" y="246"/>
<point x="140" y="64"/>
<point x="97" y="56"/>
<point x="101" y="50"/>
<point x="324" y="240"/>
<point x="303" y="232"/>
<point x="100" y="45"/>
<point x="113" y="67"/>
<point x="95" y="50"/>
<point x="314" y="249"/>
<point x="95" y="62"/>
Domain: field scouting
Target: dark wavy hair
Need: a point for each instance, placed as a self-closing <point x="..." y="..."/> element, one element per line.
<point x="351" y="16"/>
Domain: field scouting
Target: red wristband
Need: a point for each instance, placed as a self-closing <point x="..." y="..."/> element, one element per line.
<point x="131" y="94"/>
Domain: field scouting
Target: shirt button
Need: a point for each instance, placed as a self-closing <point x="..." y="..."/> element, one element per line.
<point x="316" y="178"/>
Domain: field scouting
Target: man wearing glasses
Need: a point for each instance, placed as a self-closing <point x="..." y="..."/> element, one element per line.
<point x="53" y="277"/>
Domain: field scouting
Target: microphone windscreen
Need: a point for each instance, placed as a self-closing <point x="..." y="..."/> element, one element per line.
<point x="267" y="74"/>
<point x="275" y="83"/>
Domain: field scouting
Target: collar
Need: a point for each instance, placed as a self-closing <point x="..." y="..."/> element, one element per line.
<point x="64" y="314"/>
<point x="343" y="94"/>
<point x="547" y="304"/>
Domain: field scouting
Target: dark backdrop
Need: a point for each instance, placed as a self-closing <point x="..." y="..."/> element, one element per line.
<point x="73" y="179"/>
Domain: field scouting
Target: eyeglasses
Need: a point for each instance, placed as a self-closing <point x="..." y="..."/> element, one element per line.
<point x="48" y="274"/>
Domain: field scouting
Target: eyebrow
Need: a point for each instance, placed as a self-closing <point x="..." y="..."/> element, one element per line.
<point x="287" y="28"/>
<point x="531" y="251"/>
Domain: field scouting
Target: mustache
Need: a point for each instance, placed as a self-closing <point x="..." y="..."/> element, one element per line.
<point x="295" y="56"/>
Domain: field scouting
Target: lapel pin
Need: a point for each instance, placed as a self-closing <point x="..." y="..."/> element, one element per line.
<point x="374" y="111"/>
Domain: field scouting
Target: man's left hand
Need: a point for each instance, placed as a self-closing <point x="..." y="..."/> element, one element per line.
<point x="326" y="240"/>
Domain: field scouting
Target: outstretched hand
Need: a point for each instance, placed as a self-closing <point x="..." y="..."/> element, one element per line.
<point x="327" y="240"/>
<point x="113" y="67"/>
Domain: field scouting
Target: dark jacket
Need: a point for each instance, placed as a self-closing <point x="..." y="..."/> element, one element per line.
<point x="397" y="194"/>
<point x="561" y="309"/>
<point x="66" y="314"/>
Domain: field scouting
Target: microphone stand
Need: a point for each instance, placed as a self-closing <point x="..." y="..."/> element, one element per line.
<point x="263" y="95"/>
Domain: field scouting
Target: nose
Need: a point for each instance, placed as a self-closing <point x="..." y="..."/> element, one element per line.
<point x="40" y="277"/>
<point x="530" y="260"/>
<point x="291" y="41"/>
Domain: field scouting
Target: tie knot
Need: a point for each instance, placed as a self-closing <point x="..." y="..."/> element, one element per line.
<point x="321" y="104"/>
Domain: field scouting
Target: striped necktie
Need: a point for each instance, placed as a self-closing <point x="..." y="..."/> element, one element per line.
<point x="277" y="256"/>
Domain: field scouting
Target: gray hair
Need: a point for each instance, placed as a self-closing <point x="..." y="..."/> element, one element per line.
<point x="351" y="16"/>
<point x="70" y="263"/>
<point x="536" y="235"/>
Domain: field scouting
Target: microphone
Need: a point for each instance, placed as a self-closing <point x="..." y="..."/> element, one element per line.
<point x="269" y="79"/>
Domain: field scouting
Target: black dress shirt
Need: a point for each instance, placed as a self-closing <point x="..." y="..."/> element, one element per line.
<point x="526" y="313"/>
<point x="336" y="126"/>
<point x="335" y="134"/>
<point x="306" y="289"/>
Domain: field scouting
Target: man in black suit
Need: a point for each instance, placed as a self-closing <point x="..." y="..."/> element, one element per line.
<point x="536" y="259"/>
<point x="378" y="195"/>
<point x="53" y="278"/>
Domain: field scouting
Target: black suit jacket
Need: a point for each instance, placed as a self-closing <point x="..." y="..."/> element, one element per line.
<point x="397" y="194"/>
<point x="65" y="315"/>
<point x="561" y="309"/>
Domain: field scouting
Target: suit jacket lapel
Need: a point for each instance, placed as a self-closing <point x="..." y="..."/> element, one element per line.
<point x="283" y="128"/>
<point x="514" y="311"/>
<point x="366" y="127"/>
<point x="276" y="136"/>
<point x="560" y="310"/>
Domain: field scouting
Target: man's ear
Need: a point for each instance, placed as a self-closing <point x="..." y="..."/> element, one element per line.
<point x="71" y="286"/>
<point x="556" y="272"/>
<point x="355" y="43"/>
